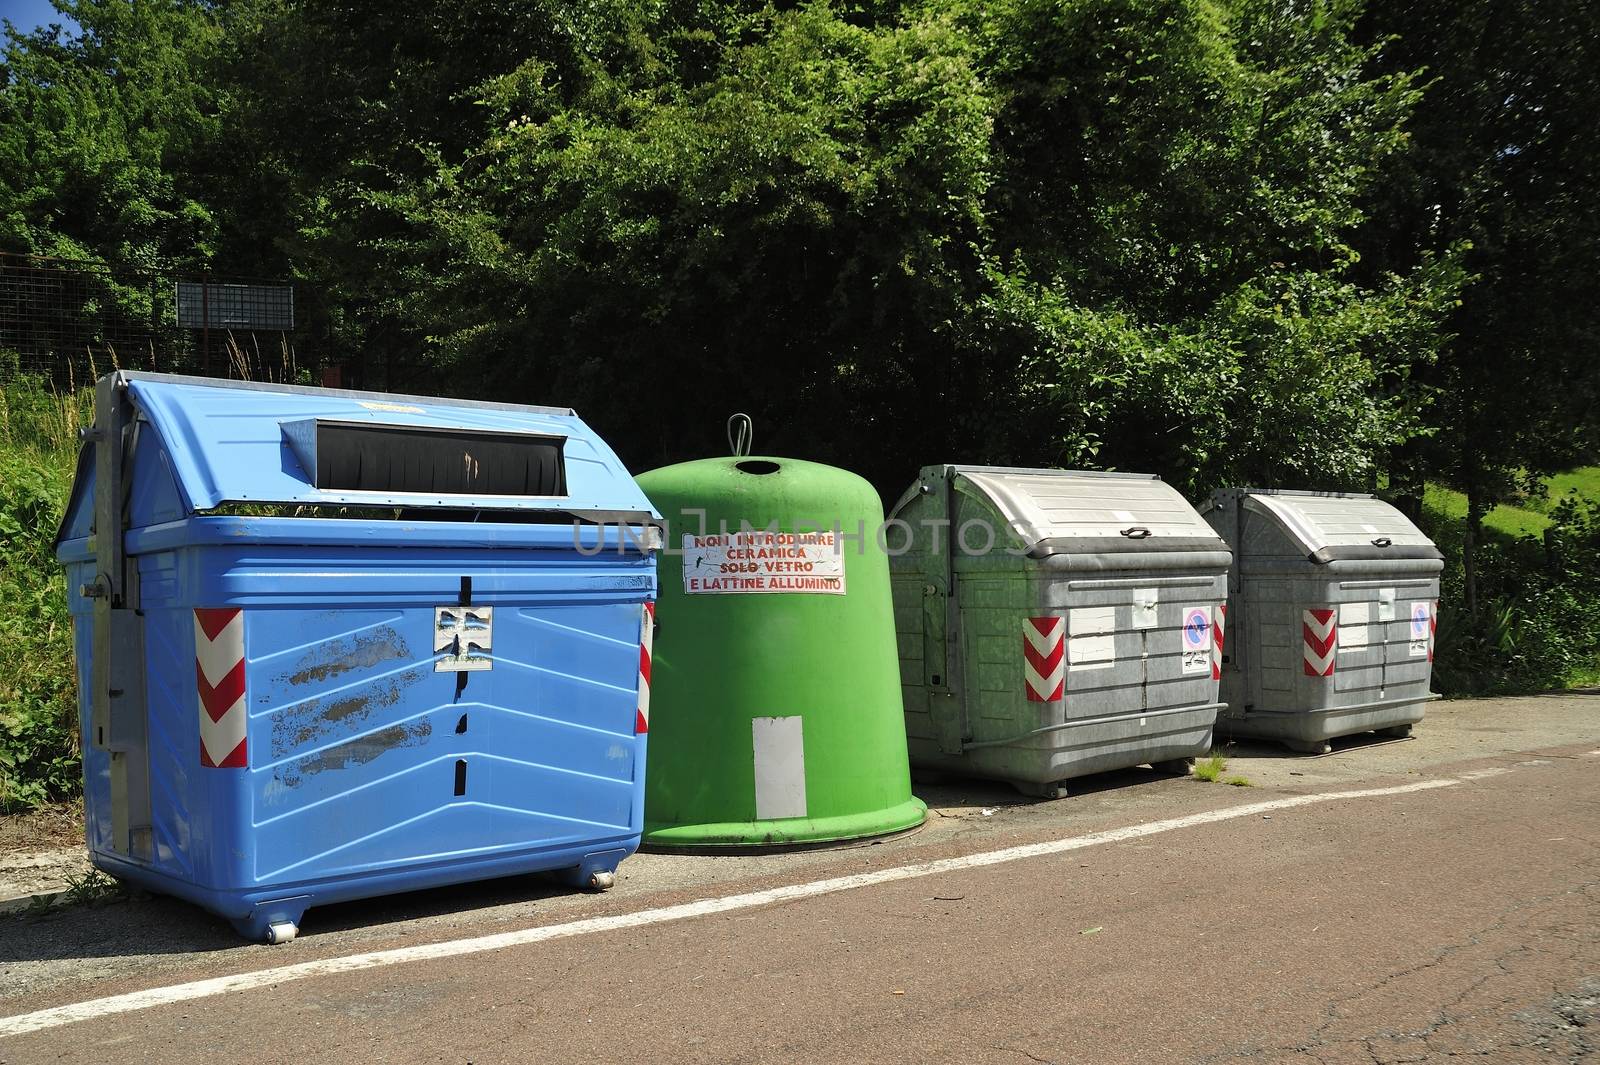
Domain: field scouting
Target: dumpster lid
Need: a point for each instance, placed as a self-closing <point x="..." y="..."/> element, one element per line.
<point x="1082" y="512"/>
<point x="1331" y="526"/>
<point x="250" y="442"/>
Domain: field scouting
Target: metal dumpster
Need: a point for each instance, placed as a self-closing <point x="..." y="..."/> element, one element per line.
<point x="340" y="644"/>
<point x="1333" y="600"/>
<point x="1054" y="623"/>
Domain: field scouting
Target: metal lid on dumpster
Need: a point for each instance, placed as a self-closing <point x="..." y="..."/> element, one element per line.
<point x="248" y="442"/>
<point x="1072" y="512"/>
<point x="1335" y="526"/>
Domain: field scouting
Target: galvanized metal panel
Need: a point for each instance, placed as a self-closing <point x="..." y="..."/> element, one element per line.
<point x="1376" y="682"/>
<point x="1067" y="505"/>
<point x="1046" y="511"/>
<point x="1318" y="521"/>
<point x="1128" y="698"/>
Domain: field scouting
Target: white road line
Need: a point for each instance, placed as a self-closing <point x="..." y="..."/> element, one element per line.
<point x="57" y="1016"/>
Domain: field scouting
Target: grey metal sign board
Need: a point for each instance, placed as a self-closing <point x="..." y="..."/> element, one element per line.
<point x="225" y="306"/>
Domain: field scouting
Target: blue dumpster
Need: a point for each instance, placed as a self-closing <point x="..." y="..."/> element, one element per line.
<point x="339" y="644"/>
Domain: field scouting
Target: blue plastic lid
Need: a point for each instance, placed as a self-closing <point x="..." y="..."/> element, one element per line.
<point x="246" y="442"/>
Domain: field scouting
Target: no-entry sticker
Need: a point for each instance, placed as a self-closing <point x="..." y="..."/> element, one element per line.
<point x="1421" y="616"/>
<point x="1197" y="639"/>
<point x="761" y="560"/>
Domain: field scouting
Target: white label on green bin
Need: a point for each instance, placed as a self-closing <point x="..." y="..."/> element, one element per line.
<point x="780" y="763"/>
<point x="755" y="561"/>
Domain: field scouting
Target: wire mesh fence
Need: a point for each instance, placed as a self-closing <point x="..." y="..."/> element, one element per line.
<point x="70" y="321"/>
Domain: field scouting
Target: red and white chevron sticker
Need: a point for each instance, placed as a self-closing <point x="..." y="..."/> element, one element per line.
<point x="1044" y="653"/>
<point x="1219" y="627"/>
<point x="219" y="675"/>
<point x="647" y="637"/>
<point x="1320" y="632"/>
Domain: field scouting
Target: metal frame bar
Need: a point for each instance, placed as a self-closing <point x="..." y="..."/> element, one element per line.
<point x="342" y="393"/>
<point x="117" y="711"/>
<point x="1108" y="719"/>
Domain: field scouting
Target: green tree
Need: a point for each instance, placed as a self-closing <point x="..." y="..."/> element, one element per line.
<point x="1180" y="185"/>
<point x="103" y="133"/>
<point x="1110" y="233"/>
<point x="1505" y="157"/>
<point x="351" y="107"/>
<point x="1089" y="233"/>
<point x="793" y="231"/>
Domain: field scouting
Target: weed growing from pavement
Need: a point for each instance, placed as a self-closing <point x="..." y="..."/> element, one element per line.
<point x="92" y="888"/>
<point x="1209" y="770"/>
<point x="1238" y="782"/>
<point x="39" y="905"/>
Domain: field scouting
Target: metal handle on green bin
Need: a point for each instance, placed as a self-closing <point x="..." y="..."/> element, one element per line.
<point x="1136" y="532"/>
<point x="741" y="434"/>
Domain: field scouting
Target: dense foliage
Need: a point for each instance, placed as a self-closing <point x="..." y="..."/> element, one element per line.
<point x="38" y="703"/>
<point x="1313" y="243"/>
<point x="1537" y="626"/>
<point x="1098" y="232"/>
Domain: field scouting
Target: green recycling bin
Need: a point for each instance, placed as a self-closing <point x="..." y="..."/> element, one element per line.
<point x="775" y="716"/>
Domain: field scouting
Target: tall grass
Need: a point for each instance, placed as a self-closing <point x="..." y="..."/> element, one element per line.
<point x="39" y="757"/>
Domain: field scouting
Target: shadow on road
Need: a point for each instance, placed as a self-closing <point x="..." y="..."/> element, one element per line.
<point x="149" y="925"/>
<point x="946" y="791"/>
<point x="1244" y="750"/>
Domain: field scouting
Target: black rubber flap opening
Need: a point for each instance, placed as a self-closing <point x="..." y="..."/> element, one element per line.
<point x="396" y="458"/>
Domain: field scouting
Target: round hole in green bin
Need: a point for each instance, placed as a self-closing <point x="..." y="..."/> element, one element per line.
<point x="757" y="466"/>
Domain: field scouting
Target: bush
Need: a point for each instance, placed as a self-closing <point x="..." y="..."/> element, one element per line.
<point x="39" y="757"/>
<point x="1538" y="623"/>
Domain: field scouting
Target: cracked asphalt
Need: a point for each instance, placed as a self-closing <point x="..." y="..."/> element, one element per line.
<point x="1455" y="923"/>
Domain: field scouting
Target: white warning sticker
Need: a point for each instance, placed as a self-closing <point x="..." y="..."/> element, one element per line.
<point x="762" y="560"/>
<point x="1354" y="619"/>
<point x="1091" y="637"/>
<point x="1196" y="639"/>
<point x="1385" y="604"/>
<point x="1146" y="609"/>
<point x="1421" y="615"/>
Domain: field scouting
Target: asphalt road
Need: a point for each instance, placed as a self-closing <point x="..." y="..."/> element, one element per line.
<point x="1455" y="913"/>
